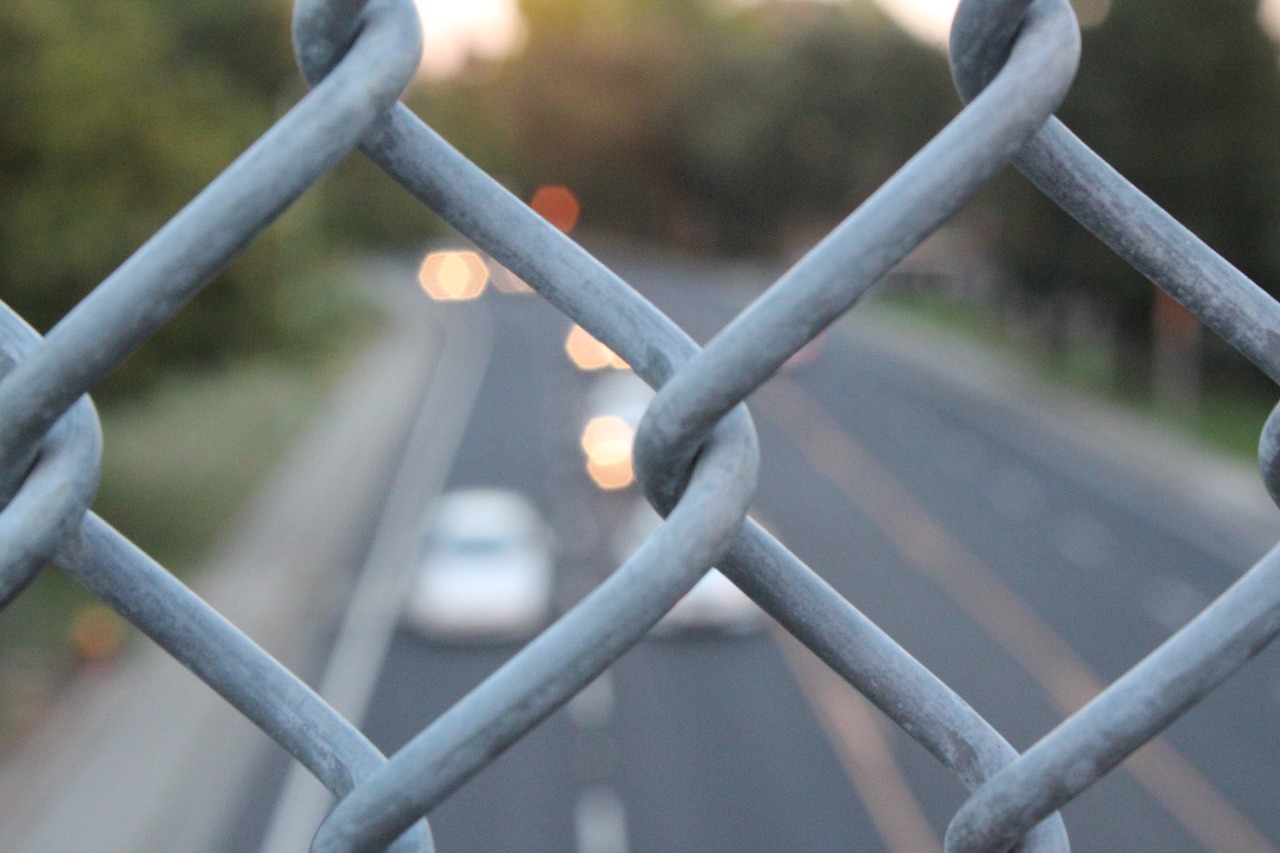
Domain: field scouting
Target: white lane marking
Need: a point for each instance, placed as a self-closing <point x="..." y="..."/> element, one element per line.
<point x="372" y="615"/>
<point x="600" y="822"/>
<point x="1172" y="601"/>
<point x="593" y="706"/>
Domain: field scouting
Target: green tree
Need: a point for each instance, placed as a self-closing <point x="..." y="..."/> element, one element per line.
<point x="696" y="124"/>
<point x="113" y="115"/>
<point x="1184" y="100"/>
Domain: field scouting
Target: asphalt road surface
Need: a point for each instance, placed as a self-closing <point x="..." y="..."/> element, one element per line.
<point x="1026" y="572"/>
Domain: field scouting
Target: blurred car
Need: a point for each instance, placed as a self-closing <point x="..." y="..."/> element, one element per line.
<point x="714" y="604"/>
<point x="614" y="406"/>
<point x="486" y="572"/>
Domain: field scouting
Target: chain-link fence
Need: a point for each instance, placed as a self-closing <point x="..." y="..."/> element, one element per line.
<point x="696" y="452"/>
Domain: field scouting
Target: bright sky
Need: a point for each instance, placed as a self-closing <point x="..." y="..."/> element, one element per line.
<point x="927" y="20"/>
<point x="930" y="20"/>
<point x="454" y="28"/>
<point x="1269" y="13"/>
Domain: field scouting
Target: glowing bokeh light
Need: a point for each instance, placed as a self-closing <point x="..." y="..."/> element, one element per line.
<point x="558" y="205"/>
<point x="97" y="633"/>
<point x="587" y="353"/>
<point x="453" y="276"/>
<point x="611" y="476"/>
<point x="607" y="442"/>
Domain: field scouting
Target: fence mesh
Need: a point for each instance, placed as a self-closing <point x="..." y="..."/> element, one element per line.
<point x="696" y="453"/>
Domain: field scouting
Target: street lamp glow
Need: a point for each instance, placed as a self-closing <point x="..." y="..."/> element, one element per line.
<point x="607" y="442"/>
<point x="453" y="276"/>
<point x="587" y="353"/>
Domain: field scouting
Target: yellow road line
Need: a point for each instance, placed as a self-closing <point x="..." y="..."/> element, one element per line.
<point x="863" y="746"/>
<point x="925" y="545"/>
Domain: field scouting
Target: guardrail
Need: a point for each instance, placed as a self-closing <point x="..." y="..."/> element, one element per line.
<point x="696" y="453"/>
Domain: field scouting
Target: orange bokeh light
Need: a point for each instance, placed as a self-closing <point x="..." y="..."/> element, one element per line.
<point x="611" y="476"/>
<point x="97" y="633"/>
<point x="453" y="276"/>
<point x="607" y="442"/>
<point x="587" y="353"/>
<point x="558" y="205"/>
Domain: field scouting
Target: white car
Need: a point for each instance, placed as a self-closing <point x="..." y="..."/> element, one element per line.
<point x="714" y="604"/>
<point x="486" y="572"/>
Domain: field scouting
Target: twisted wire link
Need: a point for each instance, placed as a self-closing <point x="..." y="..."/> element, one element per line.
<point x="1246" y="617"/>
<point x="57" y="489"/>
<point x="977" y="144"/>
<point x="696" y="450"/>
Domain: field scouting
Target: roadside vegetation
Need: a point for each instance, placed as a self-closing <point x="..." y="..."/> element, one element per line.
<point x="183" y="455"/>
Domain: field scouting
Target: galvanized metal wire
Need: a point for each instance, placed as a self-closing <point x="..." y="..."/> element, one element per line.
<point x="696" y="450"/>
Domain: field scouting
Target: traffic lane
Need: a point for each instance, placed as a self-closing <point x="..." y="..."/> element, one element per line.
<point x="711" y="747"/>
<point x="988" y="598"/>
<point x="719" y="752"/>
<point x="522" y="801"/>
<point x="847" y="548"/>
<point x="1111" y="578"/>
<point x="708" y="746"/>
<point x="775" y="779"/>
<point x="524" y="415"/>
<point x="984" y="470"/>
<point x="818" y="523"/>
<point x="1058" y="546"/>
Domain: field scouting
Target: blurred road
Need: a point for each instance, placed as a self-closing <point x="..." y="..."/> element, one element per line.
<point x="1021" y="566"/>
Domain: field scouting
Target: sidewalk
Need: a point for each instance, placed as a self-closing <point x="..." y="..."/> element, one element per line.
<point x="142" y="757"/>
